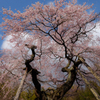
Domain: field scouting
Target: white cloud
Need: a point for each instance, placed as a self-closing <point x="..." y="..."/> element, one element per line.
<point x="96" y="31"/>
<point x="7" y="44"/>
<point x="50" y="3"/>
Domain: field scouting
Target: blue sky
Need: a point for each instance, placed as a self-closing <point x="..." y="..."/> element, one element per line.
<point x="22" y="4"/>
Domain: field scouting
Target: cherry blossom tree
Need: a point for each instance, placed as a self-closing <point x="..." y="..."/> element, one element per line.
<point x="53" y="43"/>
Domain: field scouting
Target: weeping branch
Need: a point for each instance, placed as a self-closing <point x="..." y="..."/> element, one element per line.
<point x="89" y="68"/>
<point x="90" y="87"/>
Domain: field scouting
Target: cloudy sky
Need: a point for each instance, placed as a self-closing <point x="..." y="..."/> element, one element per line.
<point x="22" y="4"/>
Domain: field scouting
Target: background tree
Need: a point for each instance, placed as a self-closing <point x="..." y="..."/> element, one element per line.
<point x="63" y="35"/>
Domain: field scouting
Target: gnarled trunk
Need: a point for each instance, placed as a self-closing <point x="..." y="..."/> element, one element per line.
<point x="60" y="92"/>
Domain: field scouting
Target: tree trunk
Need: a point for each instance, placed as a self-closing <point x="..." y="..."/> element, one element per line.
<point x="20" y="86"/>
<point x="61" y="91"/>
<point x="91" y="88"/>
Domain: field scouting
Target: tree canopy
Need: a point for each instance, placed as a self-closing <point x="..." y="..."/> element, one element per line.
<point x="53" y="43"/>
